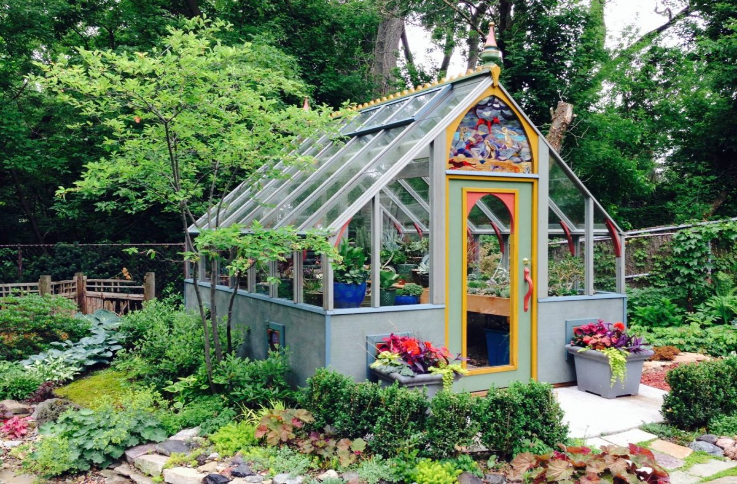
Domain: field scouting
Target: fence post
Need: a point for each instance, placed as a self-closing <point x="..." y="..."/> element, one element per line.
<point x="81" y="292"/>
<point x="149" y="286"/>
<point x="44" y="285"/>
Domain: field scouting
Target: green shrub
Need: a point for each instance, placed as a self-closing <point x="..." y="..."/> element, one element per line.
<point x="209" y="412"/>
<point x="724" y="425"/>
<point x="167" y="343"/>
<point x="254" y="383"/>
<point x="30" y="323"/>
<point x="662" y="314"/>
<point x="523" y="417"/>
<point x="394" y="416"/>
<point x="450" y="424"/>
<point x="234" y="437"/>
<point x="15" y="382"/>
<point x="98" y="437"/>
<point x="700" y="392"/>
<point x="433" y="472"/>
<point x="53" y="457"/>
<point x="375" y="470"/>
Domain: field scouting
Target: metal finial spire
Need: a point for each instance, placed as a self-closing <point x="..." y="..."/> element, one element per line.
<point x="306" y="105"/>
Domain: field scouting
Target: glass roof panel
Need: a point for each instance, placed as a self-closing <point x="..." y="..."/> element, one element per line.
<point x="319" y="192"/>
<point x="384" y="115"/>
<point x="396" y="212"/>
<point x="358" y="121"/>
<point x="419" y="209"/>
<point x="243" y="193"/>
<point x="325" y="211"/>
<point x="293" y="176"/>
<point x="415" y="104"/>
<point x="566" y="195"/>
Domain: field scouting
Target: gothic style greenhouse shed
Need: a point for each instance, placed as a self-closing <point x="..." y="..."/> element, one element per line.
<point x="451" y="187"/>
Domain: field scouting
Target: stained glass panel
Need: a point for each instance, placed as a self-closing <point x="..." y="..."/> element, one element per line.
<point x="490" y="138"/>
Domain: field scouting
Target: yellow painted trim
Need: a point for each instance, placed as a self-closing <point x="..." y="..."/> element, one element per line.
<point x="513" y="277"/>
<point x="533" y="271"/>
<point x="529" y="129"/>
<point x="447" y="260"/>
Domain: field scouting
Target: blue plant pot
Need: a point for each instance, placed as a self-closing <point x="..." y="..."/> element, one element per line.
<point x="348" y="295"/>
<point x="497" y="347"/>
<point x="406" y="300"/>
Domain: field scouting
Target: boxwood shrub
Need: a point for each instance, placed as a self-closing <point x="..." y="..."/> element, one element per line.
<point x="700" y="392"/>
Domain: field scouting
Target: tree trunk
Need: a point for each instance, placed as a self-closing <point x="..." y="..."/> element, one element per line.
<point x="194" y="8"/>
<point x="27" y="208"/>
<point x="214" y="279"/>
<point x="474" y="39"/>
<point x="562" y="119"/>
<point x="447" y="54"/>
<point x="405" y="47"/>
<point x="385" y="52"/>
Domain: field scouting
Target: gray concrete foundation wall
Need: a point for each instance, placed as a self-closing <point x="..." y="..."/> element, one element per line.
<point x="348" y="350"/>
<point x="553" y="313"/>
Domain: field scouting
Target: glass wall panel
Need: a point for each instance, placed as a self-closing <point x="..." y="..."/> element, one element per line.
<point x="605" y="260"/>
<point x="285" y="273"/>
<point x="565" y="270"/>
<point x="566" y="195"/>
<point x="262" y="276"/>
<point x="351" y="191"/>
<point x="418" y="209"/>
<point x="312" y="277"/>
<point x="352" y="287"/>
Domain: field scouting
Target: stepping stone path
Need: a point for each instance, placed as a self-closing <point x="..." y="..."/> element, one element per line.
<point x="671" y="456"/>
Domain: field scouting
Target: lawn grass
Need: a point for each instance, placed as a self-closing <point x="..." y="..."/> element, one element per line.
<point x="86" y="391"/>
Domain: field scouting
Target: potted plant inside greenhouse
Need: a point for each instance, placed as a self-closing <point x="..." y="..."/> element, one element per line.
<point x="488" y="283"/>
<point x="350" y="277"/>
<point x="608" y="360"/>
<point x="387" y="292"/>
<point x="416" y="364"/>
<point x="421" y="275"/>
<point x="409" y="294"/>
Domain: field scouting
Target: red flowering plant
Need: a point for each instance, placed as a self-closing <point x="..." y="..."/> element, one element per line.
<point x="411" y="356"/>
<point x="612" y="340"/>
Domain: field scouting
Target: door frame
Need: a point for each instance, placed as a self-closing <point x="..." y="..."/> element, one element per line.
<point x="515" y="301"/>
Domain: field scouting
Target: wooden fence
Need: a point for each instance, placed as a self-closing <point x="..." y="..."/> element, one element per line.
<point x="117" y="295"/>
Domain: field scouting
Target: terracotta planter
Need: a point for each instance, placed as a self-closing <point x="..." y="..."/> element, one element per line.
<point x="433" y="383"/>
<point x="594" y="375"/>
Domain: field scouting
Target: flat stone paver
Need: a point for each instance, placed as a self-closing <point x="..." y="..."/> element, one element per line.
<point x="595" y="442"/>
<point x="725" y="480"/>
<point x="712" y="467"/>
<point x="680" y="477"/>
<point x="667" y="461"/>
<point x="8" y="477"/>
<point x="589" y="415"/>
<point x="670" y="448"/>
<point x="629" y="437"/>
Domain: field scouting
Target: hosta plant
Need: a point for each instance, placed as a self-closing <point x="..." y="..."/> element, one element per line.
<point x="578" y="464"/>
<point x="15" y="427"/>
<point x="57" y="369"/>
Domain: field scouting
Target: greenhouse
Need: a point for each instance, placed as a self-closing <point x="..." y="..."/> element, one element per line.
<point x="473" y="233"/>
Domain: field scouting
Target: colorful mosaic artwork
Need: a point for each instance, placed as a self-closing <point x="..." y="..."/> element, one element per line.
<point x="490" y="138"/>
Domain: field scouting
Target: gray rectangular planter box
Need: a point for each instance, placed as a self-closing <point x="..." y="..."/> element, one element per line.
<point x="432" y="382"/>
<point x="593" y="374"/>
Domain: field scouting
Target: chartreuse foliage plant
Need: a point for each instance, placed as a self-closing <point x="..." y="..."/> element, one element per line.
<point x="433" y="472"/>
<point x="89" y="437"/>
<point x="233" y="437"/>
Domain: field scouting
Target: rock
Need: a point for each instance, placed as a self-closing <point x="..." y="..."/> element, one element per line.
<point x="237" y="461"/>
<point x="208" y="468"/>
<point x="17" y="408"/>
<point x="348" y="476"/>
<point x="135" y="476"/>
<point x="495" y="479"/>
<point x="468" y="478"/>
<point x="183" y="475"/>
<point x="50" y="410"/>
<point x="186" y="434"/>
<point x="329" y="474"/>
<point x="215" y="479"/>
<point x="355" y="480"/>
<point x="724" y="442"/>
<point x="112" y="477"/>
<point x="201" y="459"/>
<point x="242" y="470"/>
<point x="213" y="456"/>
<point x="710" y="438"/>
<point x="10" y="444"/>
<point x="151" y="464"/>
<point x="668" y="461"/>
<point x="254" y="479"/>
<point x="169" y="447"/>
<point x="710" y="449"/>
<point x="731" y="452"/>
<point x="135" y="452"/>
<point x="286" y="479"/>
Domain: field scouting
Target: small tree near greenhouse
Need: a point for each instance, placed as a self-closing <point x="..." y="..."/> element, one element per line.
<point x="186" y="122"/>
